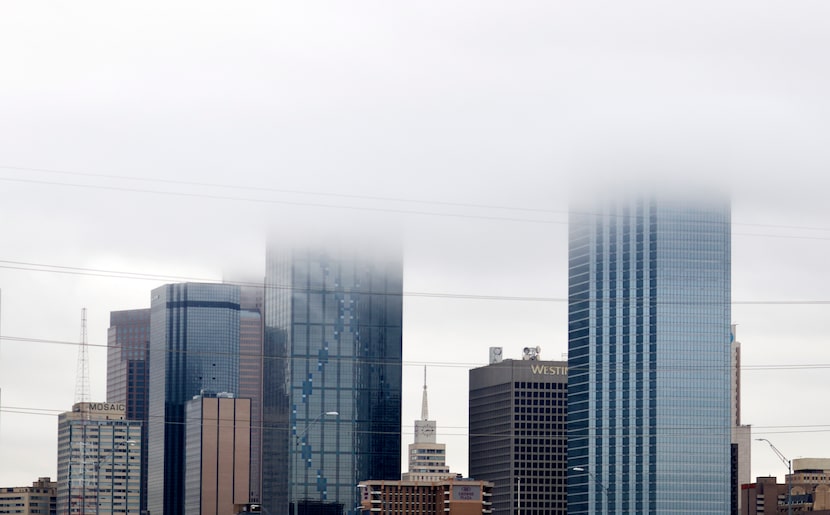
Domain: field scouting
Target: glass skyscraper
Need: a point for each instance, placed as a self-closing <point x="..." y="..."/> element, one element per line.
<point x="332" y="377"/>
<point x="128" y="348"/>
<point x="194" y="349"/>
<point x="649" y="357"/>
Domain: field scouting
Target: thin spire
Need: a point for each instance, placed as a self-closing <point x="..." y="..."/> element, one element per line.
<point x="424" y="408"/>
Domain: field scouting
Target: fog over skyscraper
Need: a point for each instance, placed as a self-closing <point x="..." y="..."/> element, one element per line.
<point x="332" y="374"/>
<point x="649" y="356"/>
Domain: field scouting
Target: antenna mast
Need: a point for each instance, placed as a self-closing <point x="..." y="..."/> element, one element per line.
<point x="82" y="372"/>
<point x="424" y="408"/>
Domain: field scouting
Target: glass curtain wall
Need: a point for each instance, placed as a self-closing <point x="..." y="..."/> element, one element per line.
<point x="649" y="363"/>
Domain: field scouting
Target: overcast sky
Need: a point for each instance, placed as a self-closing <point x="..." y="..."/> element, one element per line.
<point x="164" y="138"/>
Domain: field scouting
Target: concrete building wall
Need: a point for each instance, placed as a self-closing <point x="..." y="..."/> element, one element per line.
<point x="741" y="434"/>
<point x="217" y="455"/>
<point x="518" y="434"/>
<point x="38" y="499"/>
<point x="99" y="460"/>
<point x="810" y="493"/>
<point x="251" y="341"/>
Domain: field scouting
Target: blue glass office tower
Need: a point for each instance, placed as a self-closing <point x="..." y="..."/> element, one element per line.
<point x="649" y="357"/>
<point x="332" y="377"/>
<point x="194" y="348"/>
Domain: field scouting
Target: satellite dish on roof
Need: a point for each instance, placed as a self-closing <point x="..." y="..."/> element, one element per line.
<point x="531" y="353"/>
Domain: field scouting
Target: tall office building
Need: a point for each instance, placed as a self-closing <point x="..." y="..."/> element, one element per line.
<point x="128" y="370"/>
<point x="194" y="349"/>
<point x="332" y="376"/>
<point x="518" y="438"/>
<point x="99" y="460"/>
<point x="741" y="434"/>
<point x="251" y="335"/>
<point x="649" y="357"/>
<point x="427" y="457"/>
<point x="217" y="455"/>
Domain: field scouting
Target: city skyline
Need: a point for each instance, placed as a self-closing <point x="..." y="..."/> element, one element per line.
<point x="99" y="370"/>
<point x="164" y="141"/>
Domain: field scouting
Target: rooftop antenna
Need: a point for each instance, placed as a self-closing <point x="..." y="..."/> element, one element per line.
<point x="82" y="372"/>
<point x="424" y="408"/>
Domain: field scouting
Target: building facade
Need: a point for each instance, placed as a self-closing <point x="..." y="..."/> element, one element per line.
<point x="194" y="349"/>
<point x="649" y="357"/>
<point x="442" y="497"/>
<point x="809" y="484"/>
<point x="741" y="434"/>
<point x="518" y="437"/>
<point x="332" y="376"/>
<point x="251" y="338"/>
<point x="217" y="455"/>
<point x="39" y="499"/>
<point x="99" y="460"/>
<point x="427" y="457"/>
<point x="128" y="372"/>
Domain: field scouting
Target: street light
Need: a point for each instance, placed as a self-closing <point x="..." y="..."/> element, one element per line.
<point x="110" y="455"/>
<point x="789" y="465"/>
<point x="518" y="496"/>
<point x="597" y="481"/>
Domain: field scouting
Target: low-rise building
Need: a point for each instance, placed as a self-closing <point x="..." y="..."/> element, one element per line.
<point x="38" y="499"/>
<point x="444" y="497"/>
<point x="809" y="485"/>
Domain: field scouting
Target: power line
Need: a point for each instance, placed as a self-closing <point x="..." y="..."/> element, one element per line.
<point x="285" y="202"/>
<point x="118" y="274"/>
<point x="288" y="191"/>
<point x="697" y="366"/>
<point x="662" y="431"/>
<point x="357" y="197"/>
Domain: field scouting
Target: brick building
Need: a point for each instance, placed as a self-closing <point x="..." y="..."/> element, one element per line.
<point x="445" y="497"/>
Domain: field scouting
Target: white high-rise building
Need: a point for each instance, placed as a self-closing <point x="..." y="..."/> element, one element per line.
<point x="99" y="460"/>
<point x="427" y="459"/>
